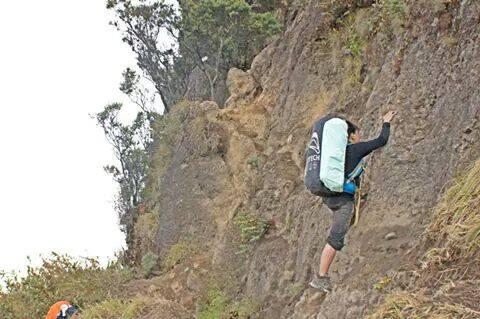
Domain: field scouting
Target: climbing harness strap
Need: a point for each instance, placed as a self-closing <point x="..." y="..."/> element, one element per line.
<point x="350" y="187"/>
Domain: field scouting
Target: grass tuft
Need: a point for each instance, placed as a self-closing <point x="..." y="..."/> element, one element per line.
<point x="418" y="306"/>
<point x="115" y="308"/>
<point x="251" y="227"/>
<point x="179" y="252"/>
<point x="456" y="223"/>
<point x="447" y="286"/>
<point x="83" y="282"/>
<point x="149" y="263"/>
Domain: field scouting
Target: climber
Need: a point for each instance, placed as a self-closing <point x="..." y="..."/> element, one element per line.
<point x="341" y="203"/>
<point x="63" y="310"/>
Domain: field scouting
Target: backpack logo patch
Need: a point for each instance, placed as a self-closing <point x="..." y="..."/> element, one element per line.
<point x="315" y="143"/>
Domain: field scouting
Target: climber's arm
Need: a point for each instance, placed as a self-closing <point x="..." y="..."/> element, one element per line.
<point x="362" y="149"/>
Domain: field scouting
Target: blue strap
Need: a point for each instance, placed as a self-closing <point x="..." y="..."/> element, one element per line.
<point x="349" y="186"/>
<point x="357" y="171"/>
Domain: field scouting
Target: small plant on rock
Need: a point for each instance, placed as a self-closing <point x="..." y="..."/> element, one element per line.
<point x="251" y="227"/>
<point x="179" y="252"/>
<point x="391" y="16"/>
<point x="382" y="284"/>
<point x="254" y="161"/>
<point x="215" y="306"/>
<point x="149" y="262"/>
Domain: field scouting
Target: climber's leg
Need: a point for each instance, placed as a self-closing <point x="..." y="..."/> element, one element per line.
<point x="342" y="209"/>
<point x="326" y="260"/>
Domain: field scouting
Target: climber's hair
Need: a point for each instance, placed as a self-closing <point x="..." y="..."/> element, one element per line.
<point x="352" y="128"/>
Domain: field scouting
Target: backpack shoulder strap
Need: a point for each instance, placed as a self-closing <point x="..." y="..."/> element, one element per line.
<point x="359" y="169"/>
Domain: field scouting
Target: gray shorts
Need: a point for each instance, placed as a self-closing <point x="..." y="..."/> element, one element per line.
<point x="342" y="211"/>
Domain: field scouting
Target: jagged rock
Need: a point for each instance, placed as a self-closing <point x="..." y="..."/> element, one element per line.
<point x="355" y="297"/>
<point x="193" y="282"/>
<point x="240" y="84"/>
<point x="208" y="106"/>
<point x="287" y="277"/>
<point x="309" y="304"/>
<point x="391" y="236"/>
<point x="176" y="286"/>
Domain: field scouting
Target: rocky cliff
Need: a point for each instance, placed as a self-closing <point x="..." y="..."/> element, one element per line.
<point x="220" y="172"/>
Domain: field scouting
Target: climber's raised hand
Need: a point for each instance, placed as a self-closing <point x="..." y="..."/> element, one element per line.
<point x="387" y="118"/>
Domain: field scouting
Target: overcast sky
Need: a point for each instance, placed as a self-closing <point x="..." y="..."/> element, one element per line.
<point x="59" y="62"/>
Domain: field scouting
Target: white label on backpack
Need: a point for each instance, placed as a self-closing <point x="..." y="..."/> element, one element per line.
<point x="315" y="143"/>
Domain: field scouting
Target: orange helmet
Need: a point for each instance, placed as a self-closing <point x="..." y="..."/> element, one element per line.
<point x="60" y="310"/>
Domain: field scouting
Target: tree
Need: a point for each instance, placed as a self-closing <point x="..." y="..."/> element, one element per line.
<point x="220" y="34"/>
<point x="130" y="144"/>
<point x="142" y="24"/>
<point x="139" y="94"/>
<point x="211" y="35"/>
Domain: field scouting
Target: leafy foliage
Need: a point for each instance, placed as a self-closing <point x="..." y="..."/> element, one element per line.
<point x="251" y="227"/>
<point x="254" y="161"/>
<point x="391" y="17"/>
<point x="145" y="231"/>
<point x="115" y="308"/>
<point x="60" y="277"/>
<point x="149" y="262"/>
<point x="216" y="305"/>
<point x="210" y="35"/>
<point x="130" y="144"/>
<point x="217" y="35"/>
<point x="139" y="94"/>
<point x="219" y="305"/>
<point x="179" y="252"/>
<point x="142" y="24"/>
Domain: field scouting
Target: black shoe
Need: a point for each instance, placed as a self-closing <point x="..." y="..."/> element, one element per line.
<point x="321" y="283"/>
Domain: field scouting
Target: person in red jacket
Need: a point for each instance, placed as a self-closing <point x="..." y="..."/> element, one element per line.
<point x="62" y="310"/>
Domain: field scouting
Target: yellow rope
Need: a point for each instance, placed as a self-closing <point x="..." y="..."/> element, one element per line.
<point x="358" y="200"/>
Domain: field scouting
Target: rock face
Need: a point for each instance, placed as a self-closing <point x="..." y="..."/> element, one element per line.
<point x="428" y="70"/>
<point x="241" y="85"/>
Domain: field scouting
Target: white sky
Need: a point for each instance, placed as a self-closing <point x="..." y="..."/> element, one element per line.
<point x="59" y="62"/>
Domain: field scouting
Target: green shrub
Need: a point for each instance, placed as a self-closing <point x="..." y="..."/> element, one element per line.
<point x="395" y="8"/>
<point x="215" y="307"/>
<point x="254" y="161"/>
<point x="114" y="309"/>
<point x="149" y="262"/>
<point x="382" y="284"/>
<point x="390" y="17"/>
<point x="355" y="44"/>
<point x="252" y="228"/>
<point x="60" y="277"/>
<point x="145" y="230"/>
<point x="218" y="305"/>
<point x="243" y="309"/>
<point x="179" y="252"/>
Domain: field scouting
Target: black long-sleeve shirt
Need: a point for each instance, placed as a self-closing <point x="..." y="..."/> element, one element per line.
<point x="355" y="153"/>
